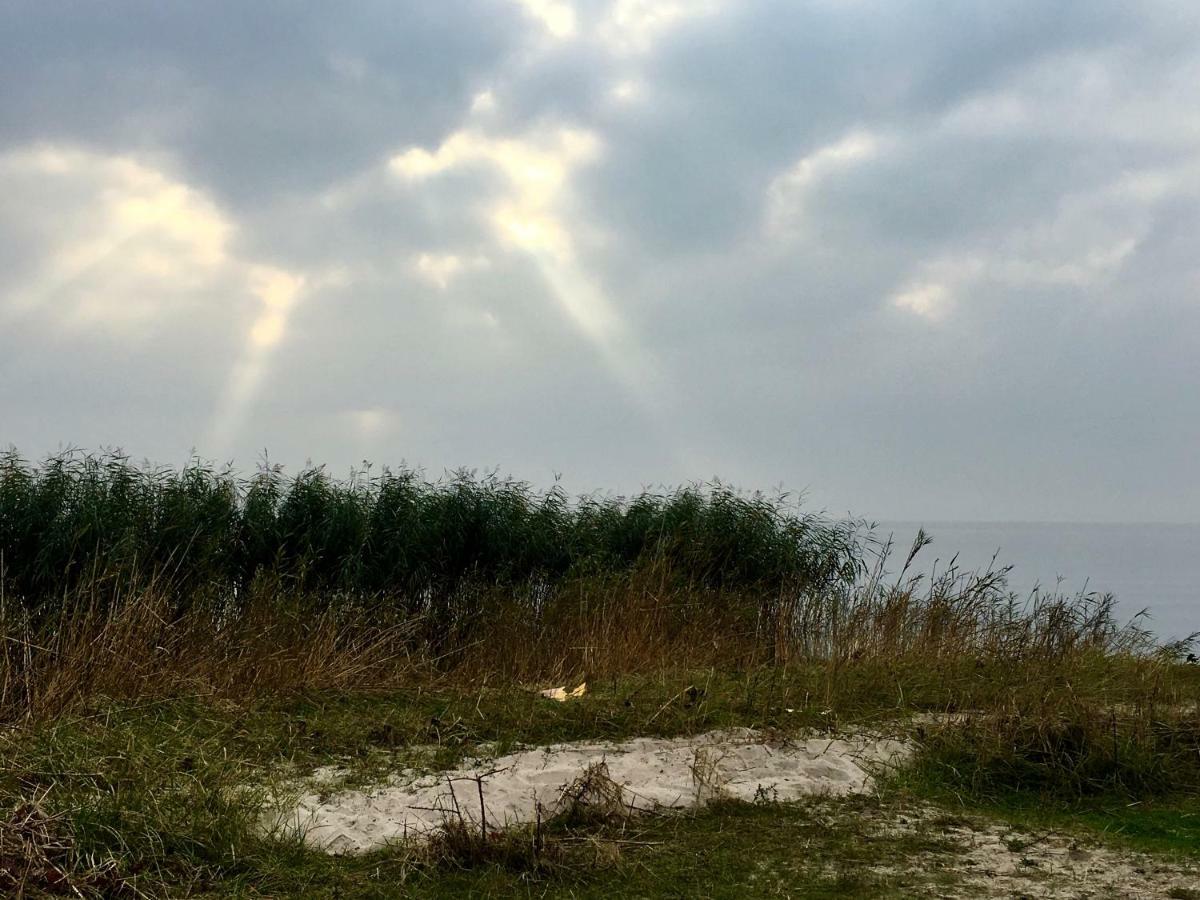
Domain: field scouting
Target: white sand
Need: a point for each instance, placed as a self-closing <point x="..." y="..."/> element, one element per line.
<point x="653" y="774"/>
<point x="994" y="860"/>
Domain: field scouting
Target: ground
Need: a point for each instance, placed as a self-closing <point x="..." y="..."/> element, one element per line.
<point x="165" y="797"/>
<point x="821" y="847"/>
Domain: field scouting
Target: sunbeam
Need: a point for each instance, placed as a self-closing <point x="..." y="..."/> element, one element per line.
<point x="530" y="217"/>
<point x="278" y="291"/>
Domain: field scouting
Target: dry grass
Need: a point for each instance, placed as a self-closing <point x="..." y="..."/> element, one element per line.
<point x="960" y="642"/>
<point x="38" y="856"/>
<point x="140" y="649"/>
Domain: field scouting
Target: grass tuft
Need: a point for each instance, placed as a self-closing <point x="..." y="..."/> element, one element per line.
<point x="38" y="855"/>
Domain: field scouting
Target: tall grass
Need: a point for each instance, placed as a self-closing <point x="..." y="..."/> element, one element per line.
<point x="124" y="579"/>
<point x="100" y="521"/>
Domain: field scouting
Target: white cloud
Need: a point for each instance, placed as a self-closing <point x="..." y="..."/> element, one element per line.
<point x="127" y="245"/>
<point x="1060" y="95"/>
<point x="935" y="290"/>
<point x="787" y="193"/>
<point x="135" y="251"/>
<point x="556" y="16"/>
<point x="440" y="269"/>
<point x="633" y="26"/>
<point x="627" y="90"/>
<point x="1082" y="242"/>
<point x="484" y="102"/>
<point x="624" y="27"/>
<point x="537" y="168"/>
<point x="535" y="216"/>
<point x="929" y="300"/>
<point x="278" y="290"/>
<point x="129" y="249"/>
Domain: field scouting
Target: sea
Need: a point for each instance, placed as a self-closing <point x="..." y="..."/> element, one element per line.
<point x="1151" y="567"/>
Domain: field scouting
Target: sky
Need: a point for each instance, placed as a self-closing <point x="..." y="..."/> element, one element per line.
<point x="910" y="260"/>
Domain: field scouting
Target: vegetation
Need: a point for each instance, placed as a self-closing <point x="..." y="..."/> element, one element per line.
<point x="99" y="521"/>
<point x="163" y="797"/>
<point x="172" y="644"/>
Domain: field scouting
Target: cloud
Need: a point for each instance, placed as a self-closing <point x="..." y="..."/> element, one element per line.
<point x="278" y="291"/>
<point x="530" y="215"/>
<point x="632" y="26"/>
<point x="252" y="103"/>
<point x="129" y="301"/>
<point x="441" y="269"/>
<point x="121" y="243"/>
<point x="556" y="16"/>
<point x="1081" y="244"/>
<point x="930" y="300"/>
<point x="628" y="241"/>
<point x="142" y="255"/>
<point x="786" y="192"/>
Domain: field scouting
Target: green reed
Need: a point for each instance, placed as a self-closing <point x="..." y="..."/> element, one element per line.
<point x="102" y="522"/>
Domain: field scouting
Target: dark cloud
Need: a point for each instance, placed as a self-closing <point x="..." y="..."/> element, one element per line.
<point x="256" y="99"/>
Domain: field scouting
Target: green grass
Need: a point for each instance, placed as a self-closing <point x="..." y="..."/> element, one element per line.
<point x="1069" y="749"/>
<point x="1168" y="825"/>
<point x="812" y="850"/>
<point x="171" y="790"/>
<point x="374" y="730"/>
<point x="101" y="522"/>
<point x="162" y="786"/>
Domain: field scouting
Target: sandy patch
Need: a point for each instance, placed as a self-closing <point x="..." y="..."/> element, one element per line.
<point x="653" y="774"/>
<point x="991" y="859"/>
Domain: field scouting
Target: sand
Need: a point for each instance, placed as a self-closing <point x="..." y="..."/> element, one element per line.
<point x="653" y="773"/>
<point x="990" y="859"/>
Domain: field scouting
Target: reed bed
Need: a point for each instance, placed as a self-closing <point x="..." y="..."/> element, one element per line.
<point x="104" y="525"/>
<point x="119" y="579"/>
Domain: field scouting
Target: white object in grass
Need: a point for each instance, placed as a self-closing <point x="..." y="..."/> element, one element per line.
<point x="561" y="694"/>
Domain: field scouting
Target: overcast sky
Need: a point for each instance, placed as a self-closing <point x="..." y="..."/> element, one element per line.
<point x="917" y="259"/>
